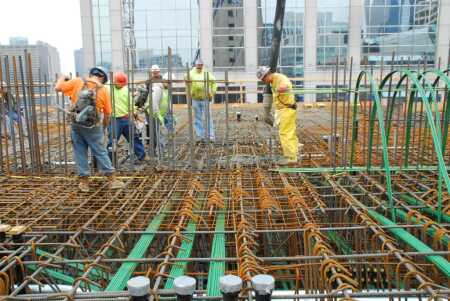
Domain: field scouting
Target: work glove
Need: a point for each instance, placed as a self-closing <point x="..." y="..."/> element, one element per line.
<point x="267" y="103"/>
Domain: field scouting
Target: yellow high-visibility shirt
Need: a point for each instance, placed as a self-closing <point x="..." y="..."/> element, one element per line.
<point x="198" y="85"/>
<point x="281" y="100"/>
<point x="120" y="102"/>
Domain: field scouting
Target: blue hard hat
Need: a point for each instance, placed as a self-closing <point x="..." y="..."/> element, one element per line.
<point x="99" y="71"/>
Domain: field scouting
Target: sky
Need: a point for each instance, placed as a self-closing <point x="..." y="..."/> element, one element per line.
<point x="56" y="22"/>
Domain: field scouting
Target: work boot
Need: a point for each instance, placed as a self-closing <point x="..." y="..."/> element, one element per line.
<point x="84" y="184"/>
<point x="114" y="183"/>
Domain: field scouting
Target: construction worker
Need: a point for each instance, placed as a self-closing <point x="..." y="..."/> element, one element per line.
<point x="141" y="101"/>
<point x="120" y="117"/>
<point x="9" y="116"/>
<point x="164" y="105"/>
<point x="88" y="124"/>
<point x="285" y="112"/>
<point x="200" y="96"/>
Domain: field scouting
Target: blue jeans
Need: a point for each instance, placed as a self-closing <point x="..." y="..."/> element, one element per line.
<point x="122" y="128"/>
<point x="200" y="110"/>
<point x="11" y="118"/>
<point x="82" y="138"/>
<point x="168" y="122"/>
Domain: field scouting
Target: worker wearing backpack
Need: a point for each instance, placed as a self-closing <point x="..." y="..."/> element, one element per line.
<point x="90" y="113"/>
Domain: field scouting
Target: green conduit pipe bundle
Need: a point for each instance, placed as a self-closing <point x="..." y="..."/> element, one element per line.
<point x="184" y="252"/>
<point x="119" y="280"/>
<point x="440" y="262"/>
<point x="430" y="231"/>
<point x="421" y="89"/>
<point x="217" y="268"/>
<point x="415" y="202"/>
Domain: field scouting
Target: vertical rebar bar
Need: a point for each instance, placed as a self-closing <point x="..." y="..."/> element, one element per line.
<point x="332" y="95"/>
<point x="131" y="129"/>
<point x="27" y="113"/>
<point x="2" y="117"/>
<point x="46" y="91"/>
<point x="35" y="137"/>
<point x="150" y="117"/>
<point x="227" y="126"/>
<point x="207" y="117"/>
<point x="9" y="102"/>
<point x="19" y="116"/>
<point x="349" y="100"/>
<point x="58" y="123"/>
<point x="378" y="152"/>
<point x="191" y="127"/>
<point x="112" y="129"/>
<point x="342" y="121"/>
<point x="41" y="119"/>
<point x="170" y="90"/>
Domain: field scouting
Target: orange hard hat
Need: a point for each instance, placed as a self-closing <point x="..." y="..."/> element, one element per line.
<point x="120" y="79"/>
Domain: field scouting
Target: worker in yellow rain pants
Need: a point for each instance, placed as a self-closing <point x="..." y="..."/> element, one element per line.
<point x="285" y="113"/>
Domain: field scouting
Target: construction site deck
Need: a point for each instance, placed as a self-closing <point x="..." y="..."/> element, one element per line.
<point x="364" y="215"/>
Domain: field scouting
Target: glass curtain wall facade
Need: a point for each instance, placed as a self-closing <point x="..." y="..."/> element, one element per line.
<point x="102" y="33"/>
<point x="332" y="31"/>
<point x="228" y="34"/>
<point x="405" y="28"/>
<point x="291" y="51"/>
<point x="163" y="24"/>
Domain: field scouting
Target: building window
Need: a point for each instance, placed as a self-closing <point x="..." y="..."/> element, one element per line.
<point x="162" y="24"/>
<point x="291" y="50"/>
<point x="332" y="31"/>
<point x="102" y="33"/>
<point x="228" y="34"/>
<point x="399" y="32"/>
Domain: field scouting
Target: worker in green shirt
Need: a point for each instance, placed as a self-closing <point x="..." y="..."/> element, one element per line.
<point x="120" y="117"/>
<point x="201" y="94"/>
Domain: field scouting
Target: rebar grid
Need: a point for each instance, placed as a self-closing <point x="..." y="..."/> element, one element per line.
<point x="365" y="212"/>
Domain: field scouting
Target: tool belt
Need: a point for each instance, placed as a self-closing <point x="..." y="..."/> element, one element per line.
<point x="292" y="106"/>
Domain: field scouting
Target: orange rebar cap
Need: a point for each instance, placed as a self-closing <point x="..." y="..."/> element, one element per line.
<point x="120" y="79"/>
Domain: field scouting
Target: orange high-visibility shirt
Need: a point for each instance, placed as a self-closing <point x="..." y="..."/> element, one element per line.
<point x="73" y="87"/>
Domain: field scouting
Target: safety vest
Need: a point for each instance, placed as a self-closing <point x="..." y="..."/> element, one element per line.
<point x="121" y="100"/>
<point x="164" y="103"/>
<point x="198" y="84"/>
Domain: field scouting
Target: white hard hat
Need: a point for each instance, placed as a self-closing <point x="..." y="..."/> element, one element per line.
<point x="198" y="61"/>
<point x="155" y="68"/>
<point x="262" y="71"/>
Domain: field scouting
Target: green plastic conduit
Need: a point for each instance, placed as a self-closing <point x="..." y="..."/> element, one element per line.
<point x="78" y="266"/>
<point x="430" y="231"/>
<point x="415" y="202"/>
<point x="185" y="251"/>
<point x="217" y="268"/>
<point x="339" y="242"/>
<point x="440" y="262"/>
<point x="119" y="280"/>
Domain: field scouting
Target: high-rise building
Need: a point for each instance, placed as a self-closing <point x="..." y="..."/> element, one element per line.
<point x="18" y="41"/>
<point x="79" y="67"/>
<point x="44" y="58"/>
<point x="236" y="35"/>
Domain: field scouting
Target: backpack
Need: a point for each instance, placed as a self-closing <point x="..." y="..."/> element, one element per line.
<point x="85" y="110"/>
